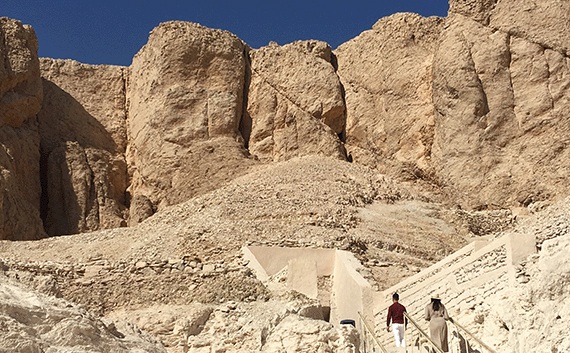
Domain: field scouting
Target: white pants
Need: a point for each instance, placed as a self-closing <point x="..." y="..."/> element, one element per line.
<point x="398" y="330"/>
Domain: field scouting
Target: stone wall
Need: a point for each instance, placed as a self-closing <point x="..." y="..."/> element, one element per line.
<point x="350" y="294"/>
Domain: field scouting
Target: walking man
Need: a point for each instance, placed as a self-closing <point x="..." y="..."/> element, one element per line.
<point x="399" y="323"/>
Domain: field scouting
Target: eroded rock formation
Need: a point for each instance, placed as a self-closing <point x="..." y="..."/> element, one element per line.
<point x="387" y="76"/>
<point x="83" y="143"/>
<point x="476" y="104"/>
<point x="185" y="100"/>
<point x="20" y="101"/>
<point x="501" y="115"/>
<point x="20" y="87"/>
<point x="295" y="102"/>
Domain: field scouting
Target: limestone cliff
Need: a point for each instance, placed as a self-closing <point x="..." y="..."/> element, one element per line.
<point x="83" y="142"/>
<point x="476" y="104"/>
<point x="20" y="101"/>
<point x="295" y="102"/>
<point x="185" y="99"/>
<point x="470" y="110"/>
<point x="387" y="76"/>
<point x="502" y="111"/>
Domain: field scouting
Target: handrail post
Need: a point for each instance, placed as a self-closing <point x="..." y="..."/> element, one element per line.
<point x="371" y="333"/>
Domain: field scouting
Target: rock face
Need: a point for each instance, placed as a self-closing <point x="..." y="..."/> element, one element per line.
<point x="37" y="323"/>
<point x="20" y="87"/>
<point x="295" y="102"/>
<point x="545" y="22"/>
<point x="501" y="104"/>
<point x="477" y="102"/>
<point x="185" y="100"/>
<point x="20" y="100"/>
<point x="83" y="141"/>
<point x="387" y="76"/>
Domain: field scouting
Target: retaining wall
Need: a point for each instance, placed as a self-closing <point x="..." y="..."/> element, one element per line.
<point x="350" y="292"/>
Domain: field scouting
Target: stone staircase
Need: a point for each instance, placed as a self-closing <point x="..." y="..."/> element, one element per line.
<point x="463" y="280"/>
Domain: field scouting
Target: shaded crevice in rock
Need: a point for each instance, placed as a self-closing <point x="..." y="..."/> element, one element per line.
<point x="91" y="214"/>
<point x="245" y="123"/>
<point x="5" y="59"/>
<point x="83" y="141"/>
<point x="44" y="199"/>
<point x="387" y="77"/>
<point x="334" y="63"/>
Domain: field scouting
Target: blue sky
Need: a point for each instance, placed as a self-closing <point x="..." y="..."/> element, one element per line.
<point x="112" y="32"/>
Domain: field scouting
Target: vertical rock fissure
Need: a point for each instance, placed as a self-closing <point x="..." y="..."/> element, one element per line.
<point x="342" y="134"/>
<point x="549" y="78"/>
<point x="3" y="45"/>
<point x="90" y="213"/>
<point x="126" y="192"/>
<point x="44" y="197"/>
<point x="245" y="123"/>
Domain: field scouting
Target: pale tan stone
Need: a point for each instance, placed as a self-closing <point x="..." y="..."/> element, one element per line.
<point x="20" y="187"/>
<point x="185" y="98"/>
<point x="20" y="100"/>
<point x="20" y="85"/>
<point x="36" y="321"/>
<point x="295" y="102"/>
<point x="387" y="76"/>
<point x="494" y="109"/>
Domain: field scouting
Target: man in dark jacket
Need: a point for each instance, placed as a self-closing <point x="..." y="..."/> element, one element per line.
<point x="399" y="323"/>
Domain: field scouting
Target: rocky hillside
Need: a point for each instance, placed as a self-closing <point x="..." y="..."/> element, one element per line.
<point x="475" y="103"/>
<point x="401" y="145"/>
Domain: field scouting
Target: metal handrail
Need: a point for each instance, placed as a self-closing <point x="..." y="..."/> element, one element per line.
<point x="472" y="336"/>
<point x="371" y="332"/>
<point x="422" y="332"/>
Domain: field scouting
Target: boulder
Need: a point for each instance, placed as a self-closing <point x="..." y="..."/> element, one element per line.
<point x="20" y="100"/>
<point x="83" y="141"/>
<point x="387" y="75"/>
<point x="172" y="324"/>
<point x="295" y="102"/>
<point x="306" y="335"/>
<point x="185" y="102"/>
